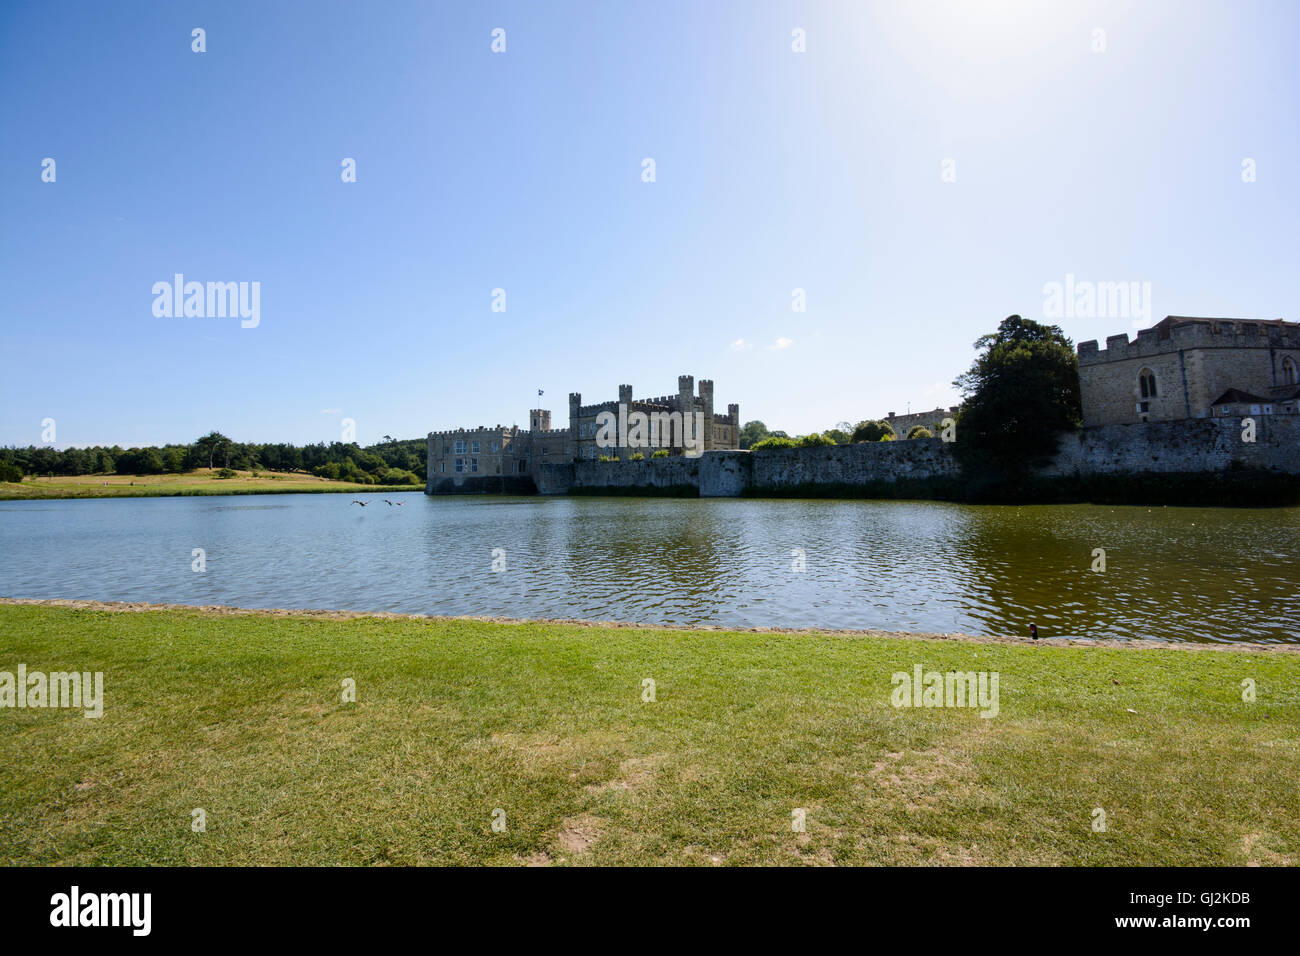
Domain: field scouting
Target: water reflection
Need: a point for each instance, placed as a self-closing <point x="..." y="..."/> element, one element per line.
<point x="1174" y="574"/>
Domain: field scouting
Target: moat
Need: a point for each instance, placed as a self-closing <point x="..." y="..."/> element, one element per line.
<point x="1177" y="574"/>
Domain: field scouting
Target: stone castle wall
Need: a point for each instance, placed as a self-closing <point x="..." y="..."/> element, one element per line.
<point x="1209" y="445"/>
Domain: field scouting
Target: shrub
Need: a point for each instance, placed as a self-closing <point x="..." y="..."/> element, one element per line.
<point x="400" y="476"/>
<point x="661" y="453"/>
<point x="637" y="456"/>
<point x="774" y="441"/>
<point x="227" y="473"/>
<point x="919" y="431"/>
<point x="10" y="472"/>
<point x="815" y="441"/>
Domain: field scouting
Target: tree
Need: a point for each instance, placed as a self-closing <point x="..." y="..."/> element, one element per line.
<point x="212" y="445"/>
<point x="751" y="433"/>
<point x="873" y="430"/>
<point x="1020" y="393"/>
<point x="841" y="436"/>
<point x="815" y="441"/>
<point x="919" y="431"/>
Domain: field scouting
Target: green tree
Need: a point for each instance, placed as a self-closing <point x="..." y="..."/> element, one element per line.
<point x="919" y="431"/>
<point x="752" y="432"/>
<point x="873" y="430"/>
<point x="212" y="446"/>
<point x="173" y="458"/>
<point x="814" y="441"/>
<point x="1020" y="393"/>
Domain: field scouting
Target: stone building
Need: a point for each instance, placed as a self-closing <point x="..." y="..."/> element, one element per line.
<point x="507" y="457"/>
<point x="1185" y="367"/>
<point x="902" y="424"/>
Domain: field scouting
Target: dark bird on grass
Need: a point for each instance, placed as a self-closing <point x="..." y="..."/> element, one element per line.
<point x="361" y="503"/>
<point x="1033" y="631"/>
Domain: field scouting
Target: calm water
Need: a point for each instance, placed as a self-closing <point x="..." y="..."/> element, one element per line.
<point x="1176" y="574"/>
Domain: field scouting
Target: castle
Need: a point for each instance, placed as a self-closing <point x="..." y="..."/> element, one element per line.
<point x="1185" y="367"/>
<point x="515" y="455"/>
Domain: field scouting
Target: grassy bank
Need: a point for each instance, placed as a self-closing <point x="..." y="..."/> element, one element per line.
<point x="203" y="481"/>
<point x="241" y="715"/>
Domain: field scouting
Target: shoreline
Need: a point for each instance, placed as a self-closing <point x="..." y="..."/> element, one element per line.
<point x="319" y="614"/>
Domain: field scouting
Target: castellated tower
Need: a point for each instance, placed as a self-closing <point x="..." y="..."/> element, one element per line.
<point x="706" y="399"/>
<point x="575" y="402"/>
<point x="685" y="393"/>
<point x="733" y="415"/>
<point x="625" y="394"/>
<point x="539" y="419"/>
<point x="686" y="397"/>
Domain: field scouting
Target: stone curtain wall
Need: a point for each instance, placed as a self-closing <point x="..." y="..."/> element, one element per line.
<point x="1196" y="445"/>
<point x="1209" y="445"/>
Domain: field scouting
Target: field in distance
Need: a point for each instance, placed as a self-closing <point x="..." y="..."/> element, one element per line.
<point x="202" y="481"/>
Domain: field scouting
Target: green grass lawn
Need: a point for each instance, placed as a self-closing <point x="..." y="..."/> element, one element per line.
<point x="241" y="715"/>
<point x="203" y="481"/>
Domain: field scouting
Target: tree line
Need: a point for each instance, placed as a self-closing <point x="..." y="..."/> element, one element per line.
<point x="756" y="437"/>
<point x="390" y="462"/>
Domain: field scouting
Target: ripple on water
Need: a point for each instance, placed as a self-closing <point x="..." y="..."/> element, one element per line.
<point x="1173" y="574"/>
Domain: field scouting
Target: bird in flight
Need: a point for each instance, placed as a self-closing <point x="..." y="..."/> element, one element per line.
<point x="391" y="503"/>
<point x="361" y="503"/>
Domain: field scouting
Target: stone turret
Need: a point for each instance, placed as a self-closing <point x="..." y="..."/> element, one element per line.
<point x="706" y="399"/>
<point x="575" y="403"/>
<point x="539" y="419"/>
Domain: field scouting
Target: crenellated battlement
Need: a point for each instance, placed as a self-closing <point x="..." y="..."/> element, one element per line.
<point x="478" y="430"/>
<point x="1180" y="333"/>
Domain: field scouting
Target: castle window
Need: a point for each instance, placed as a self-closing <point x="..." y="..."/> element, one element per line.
<point x="1289" y="374"/>
<point x="460" y="465"/>
<point x="476" y="448"/>
<point x="473" y="463"/>
<point x="460" y="447"/>
<point x="1147" y="383"/>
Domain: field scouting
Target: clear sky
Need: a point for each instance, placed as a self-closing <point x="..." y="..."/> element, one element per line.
<point x="522" y="170"/>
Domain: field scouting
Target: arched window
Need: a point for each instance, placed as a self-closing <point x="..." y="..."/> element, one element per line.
<point x="1289" y="375"/>
<point x="1147" y="383"/>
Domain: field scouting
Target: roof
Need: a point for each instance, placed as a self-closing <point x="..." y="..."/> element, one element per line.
<point x="1169" y="321"/>
<point x="1235" y="396"/>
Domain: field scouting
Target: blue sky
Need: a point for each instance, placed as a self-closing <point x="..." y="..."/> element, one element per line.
<point x="522" y="170"/>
